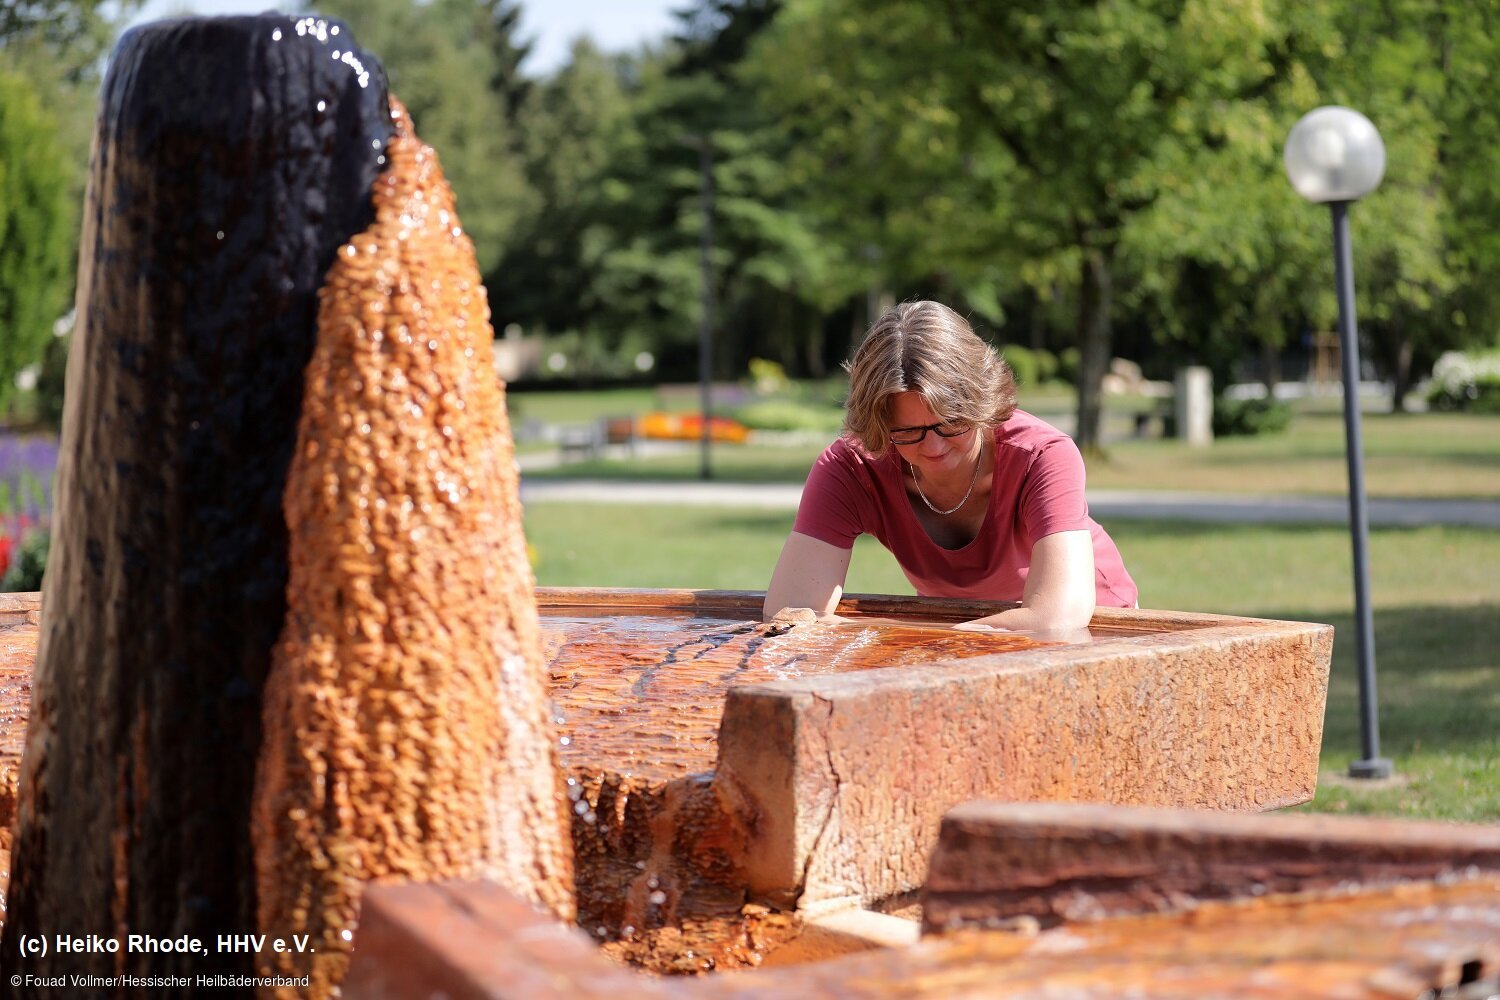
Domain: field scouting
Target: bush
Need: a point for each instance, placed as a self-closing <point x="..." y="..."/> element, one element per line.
<point x="767" y="377"/>
<point x="785" y="415"/>
<point x="1248" y="417"/>
<point x="1468" y="382"/>
<point x="1068" y="362"/>
<point x="27" y="563"/>
<point x="1032" y="367"/>
<point x="49" y="382"/>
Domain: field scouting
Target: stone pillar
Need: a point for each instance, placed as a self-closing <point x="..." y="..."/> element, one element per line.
<point x="1194" y="405"/>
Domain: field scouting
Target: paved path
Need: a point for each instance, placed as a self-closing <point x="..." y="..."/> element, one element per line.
<point x="1103" y="504"/>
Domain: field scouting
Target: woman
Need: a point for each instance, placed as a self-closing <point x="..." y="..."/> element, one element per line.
<point x="973" y="497"/>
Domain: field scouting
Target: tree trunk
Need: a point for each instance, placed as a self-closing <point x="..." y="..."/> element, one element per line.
<point x="1095" y="333"/>
<point x="812" y="343"/>
<point x="1402" y="376"/>
<point x="202" y="252"/>
<point x="1270" y="360"/>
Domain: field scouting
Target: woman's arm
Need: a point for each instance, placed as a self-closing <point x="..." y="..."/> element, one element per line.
<point x="1059" y="591"/>
<point x="810" y="574"/>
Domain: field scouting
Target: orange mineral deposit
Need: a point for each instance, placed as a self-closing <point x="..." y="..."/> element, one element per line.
<point x="407" y="732"/>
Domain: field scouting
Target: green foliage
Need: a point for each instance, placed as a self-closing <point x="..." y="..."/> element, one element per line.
<point x="1032" y="366"/>
<point x="1248" y="417"/>
<point x="34" y="230"/>
<point x="453" y="63"/>
<point x="1067" y="364"/>
<point x="28" y="563"/>
<point x="767" y="377"/>
<point x="50" y="382"/>
<point x="790" y="415"/>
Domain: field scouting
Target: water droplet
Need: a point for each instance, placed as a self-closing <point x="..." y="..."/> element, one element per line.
<point x="652" y="882"/>
<point x="346" y="934"/>
<point x="374" y="143"/>
<point x="335" y="53"/>
<point x="333" y="30"/>
<point x="580" y="807"/>
<point x="658" y="897"/>
<point x="322" y="105"/>
<point x="432" y="345"/>
<point x="641" y="865"/>
<point x="600" y="931"/>
<point x="276" y="35"/>
<point x="219" y="234"/>
<point x="566" y="741"/>
<point x="627" y="930"/>
<point x="364" y="428"/>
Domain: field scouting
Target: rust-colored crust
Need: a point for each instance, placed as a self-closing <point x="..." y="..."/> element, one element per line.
<point x="20" y="617"/>
<point x="999" y="864"/>
<point x="406" y="721"/>
<point x="473" y="942"/>
<point x="841" y="779"/>
<point x="935" y="609"/>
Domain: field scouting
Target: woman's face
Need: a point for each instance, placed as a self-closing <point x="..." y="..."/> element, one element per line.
<point x="934" y="454"/>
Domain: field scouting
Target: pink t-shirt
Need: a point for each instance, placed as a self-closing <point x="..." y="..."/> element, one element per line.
<point x="1037" y="491"/>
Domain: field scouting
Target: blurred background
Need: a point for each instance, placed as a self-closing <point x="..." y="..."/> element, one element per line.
<point x="1096" y="179"/>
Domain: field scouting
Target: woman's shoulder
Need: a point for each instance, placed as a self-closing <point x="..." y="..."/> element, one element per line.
<point x="1028" y="432"/>
<point x="847" y="452"/>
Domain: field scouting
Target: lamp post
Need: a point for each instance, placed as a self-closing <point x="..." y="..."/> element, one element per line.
<point x="1334" y="155"/>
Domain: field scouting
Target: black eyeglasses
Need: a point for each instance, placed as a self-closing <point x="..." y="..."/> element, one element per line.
<point x="914" y="435"/>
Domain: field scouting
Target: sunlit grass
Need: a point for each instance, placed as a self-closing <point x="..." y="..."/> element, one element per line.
<point x="1418" y="455"/>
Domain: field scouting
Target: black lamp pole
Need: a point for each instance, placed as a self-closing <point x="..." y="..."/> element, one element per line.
<point x="1371" y="765"/>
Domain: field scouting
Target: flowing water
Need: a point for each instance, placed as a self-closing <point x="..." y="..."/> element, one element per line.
<point x="639" y="698"/>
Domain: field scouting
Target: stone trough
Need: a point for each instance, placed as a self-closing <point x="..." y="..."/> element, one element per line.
<point x="727" y="783"/>
<point x="809" y="770"/>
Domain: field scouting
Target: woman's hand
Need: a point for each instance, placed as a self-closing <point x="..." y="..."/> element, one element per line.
<point x="1059" y="592"/>
<point x="988" y="624"/>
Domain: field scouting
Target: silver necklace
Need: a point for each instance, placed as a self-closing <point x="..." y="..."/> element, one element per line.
<point x="978" y="463"/>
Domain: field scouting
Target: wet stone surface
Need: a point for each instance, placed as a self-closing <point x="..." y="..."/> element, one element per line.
<point x="641" y="696"/>
<point x="639" y="699"/>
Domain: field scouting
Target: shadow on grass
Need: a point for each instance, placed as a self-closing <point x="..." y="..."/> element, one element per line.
<point x="1437" y="680"/>
<point x="1167" y="529"/>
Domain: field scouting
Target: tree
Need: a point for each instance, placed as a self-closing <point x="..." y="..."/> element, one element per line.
<point x="76" y="32"/>
<point x="571" y="127"/>
<point x="35" y="230"/>
<point x="454" y="64"/>
<point x="613" y="251"/>
<point x="1071" y="108"/>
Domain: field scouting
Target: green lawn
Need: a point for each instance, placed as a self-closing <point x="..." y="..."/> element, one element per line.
<point x="1406" y="455"/>
<point x="1414" y="455"/>
<point x="1436" y="596"/>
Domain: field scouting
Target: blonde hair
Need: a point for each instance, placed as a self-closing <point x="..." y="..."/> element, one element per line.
<point x="928" y="348"/>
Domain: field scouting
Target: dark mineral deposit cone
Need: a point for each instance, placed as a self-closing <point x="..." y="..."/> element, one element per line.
<point x="232" y="157"/>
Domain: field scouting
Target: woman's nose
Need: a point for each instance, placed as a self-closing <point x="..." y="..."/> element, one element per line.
<point x="932" y="445"/>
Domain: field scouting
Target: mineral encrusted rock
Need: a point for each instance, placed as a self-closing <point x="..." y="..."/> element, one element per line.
<point x="407" y="723"/>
